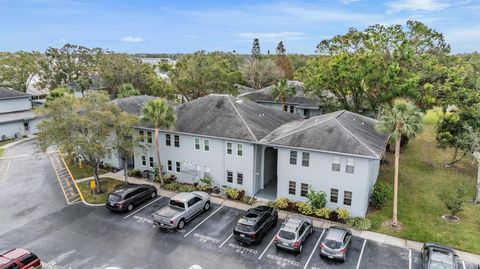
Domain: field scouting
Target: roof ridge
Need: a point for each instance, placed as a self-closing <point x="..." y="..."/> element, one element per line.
<point x="302" y="129"/>
<point x="354" y="136"/>
<point x="242" y="119"/>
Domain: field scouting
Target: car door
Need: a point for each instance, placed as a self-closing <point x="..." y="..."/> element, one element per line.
<point x="303" y="232"/>
<point x="346" y="240"/>
<point x="191" y="211"/>
<point x="197" y="204"/>
<point x="144" y="194"/>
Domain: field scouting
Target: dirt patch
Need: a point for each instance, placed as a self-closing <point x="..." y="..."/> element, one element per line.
<point x="394" y="227"/>
<point x="451" y="218"/>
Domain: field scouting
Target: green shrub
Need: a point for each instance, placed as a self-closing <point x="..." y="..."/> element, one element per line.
<point x="172" y="186"/>
<point x="305" y="209"/>
<point x="271" y="203"/>
<point x="359" y="223"/>
<point x="323" y="213"/>
<point x="187" y="188"/>
<point x="203" y="187"/>
<point x="454" y="201"/>
<point x="135" y="173"/>
<point x="317" y="199"/>
<point x="282" y="203"/>
<point x="380" y="195"/>
<point x="208" y="181"/>
<point x="342" y="214"/>
<point x="232" y="193"/>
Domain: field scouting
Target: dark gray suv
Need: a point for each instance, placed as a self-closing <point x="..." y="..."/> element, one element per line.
<point x="335" y="243"/>
<point x="437" y="256"/>
<point x="128" y="196"/>
<point x="293" y="233"/>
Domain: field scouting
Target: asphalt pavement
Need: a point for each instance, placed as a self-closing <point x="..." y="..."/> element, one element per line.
<point x="36" y="215"/>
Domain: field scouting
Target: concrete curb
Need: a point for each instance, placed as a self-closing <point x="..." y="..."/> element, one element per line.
<point x="11" y="144"/>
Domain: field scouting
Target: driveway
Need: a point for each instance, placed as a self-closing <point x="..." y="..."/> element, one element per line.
<point x="35" y="215"/>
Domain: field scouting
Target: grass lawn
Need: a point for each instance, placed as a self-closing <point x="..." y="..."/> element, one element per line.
<point x="106" y="184"/>
<point x="422" y="180"/>
<point x="2" y="143"/>
<point x="82" y="172"/>
<point x="1" y="151"/>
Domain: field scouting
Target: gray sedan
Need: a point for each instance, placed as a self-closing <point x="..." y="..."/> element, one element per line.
<point x="335" y="243"/>
<point x="293" y="233"/>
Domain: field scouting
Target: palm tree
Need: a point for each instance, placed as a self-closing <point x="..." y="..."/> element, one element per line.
<point x="162" y="115"/>
<point x="401" y="119"/>
<point x="281" y="90"/>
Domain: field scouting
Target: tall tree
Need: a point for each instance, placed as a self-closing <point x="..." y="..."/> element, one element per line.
<point x="256" y="49"/>
<point x="17" y="69"/>
<point x="162" y="115"/>
<point x="283" y="62"/>
<point x="61" y="66"/>
<point x="281" y="90"/>
<point x="124" y="140"/>
<point x="199" y="74"/>
<point x="403" y="119"/>
<point x="280" y="48"/>
<point x="259" y="73"/>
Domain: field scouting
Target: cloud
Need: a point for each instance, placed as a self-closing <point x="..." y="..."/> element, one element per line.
<point x="272" y="36"/>
<point x="417" y="5"/>
<point x="132" y="39"/>
<point x="348" y="1"/>
<point x="463" y="39"/>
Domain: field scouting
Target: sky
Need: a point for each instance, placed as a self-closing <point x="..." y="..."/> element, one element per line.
<point x="184" y="26"/>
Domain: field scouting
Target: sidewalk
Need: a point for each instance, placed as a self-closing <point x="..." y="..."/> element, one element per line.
<point x="320" y="223"/>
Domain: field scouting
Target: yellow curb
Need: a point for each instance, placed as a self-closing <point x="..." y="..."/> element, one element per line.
<point x="71" y="176"/>
<point x="58" y="178"/>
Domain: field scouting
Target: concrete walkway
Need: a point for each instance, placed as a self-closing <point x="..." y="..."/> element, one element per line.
<point x="321" y="223"/>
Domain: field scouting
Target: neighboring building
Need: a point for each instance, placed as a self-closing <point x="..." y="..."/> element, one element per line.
<point x="132" y="105"/>
<point x="269" y="153"/>
<point x="16" y="115"/>
<point x="300" y="103"/>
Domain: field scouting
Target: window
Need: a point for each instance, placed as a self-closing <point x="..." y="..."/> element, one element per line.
<point x="168" y="140"/>
<point x="347" y="198"/>
<point x="292" y="109"/>
<point x="27" y="260"/>
<point x="13" y="266"/>
<point x="350" y="166"/>
<point x="177" y="141"/>
<point x="229" y="148"/>
<point x="151" y="161"/>
<point x="194" y="200"/>
<point x="303" y="190"/>
<point x="334" y="195"/>
<point x="305" y="159"/>
<point x="239" y="150"/>
<point x="144" y="160"/>
<point x="293" y="157"/>
<point x="177" y="167"/>
<point x="336" y="164"/>
<point x="169" y="165"/>
<point x="292" y="187"/>
<point x="197" y="143"/>
<point x="229" y="176"/>
<point x="240" y="178"/>
<point x="207" y="173"/>
<point x="206" y="144"/>
<point x="149" y="137"/>
<point x="141" y="136"/>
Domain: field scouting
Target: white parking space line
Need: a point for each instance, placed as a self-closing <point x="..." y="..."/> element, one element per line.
<point x="221" y="245"/>
<point x="361" y="253"/>
<point x="463" y="264"/>
<point x="6" y="172"/>
<point x="313" y="251"/>
<point x="202" y="221"/>
<point x="410" y="258"/>
<point x="136" y="211"/>
<point x="269" y="244"/>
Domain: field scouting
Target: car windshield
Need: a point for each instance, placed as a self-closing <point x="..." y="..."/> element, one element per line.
<point x="177" y="204"/>
<point x="286" y="235"/>
<point x="333" y="244"/>
<point x="245" y="228"/>
<point x="113" y="198"/>
<point x="440" y="265"/>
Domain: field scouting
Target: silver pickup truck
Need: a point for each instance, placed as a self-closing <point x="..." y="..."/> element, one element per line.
<point x="182" y="208"/>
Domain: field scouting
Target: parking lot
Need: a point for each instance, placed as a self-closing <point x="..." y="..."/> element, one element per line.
<point x="36" y="216"/>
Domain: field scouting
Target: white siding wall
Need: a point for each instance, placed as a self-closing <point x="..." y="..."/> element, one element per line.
<point x="215" y="159"/>
<point x="320" y="176"/>
<point x="9" y="129"/>
<point x="16" y="104"/>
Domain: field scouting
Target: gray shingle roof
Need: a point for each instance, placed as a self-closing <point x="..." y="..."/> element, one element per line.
<point x="229" y="117"/>
<point x="133" y="104"/>
<point x="6" y="93"/>
<point x="341" y="131"/>
<point x="300" y="98"/>
<point x="17" y="116"/>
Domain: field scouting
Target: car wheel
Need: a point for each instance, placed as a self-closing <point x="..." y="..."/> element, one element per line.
<point x="206" y="206"/>
<point x="181" y="224"/>
<point x="153" y="195"/>
<point x="129" y="207"/>
<point x="278" y="249"/>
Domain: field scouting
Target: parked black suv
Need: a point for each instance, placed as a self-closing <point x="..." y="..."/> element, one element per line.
<point x="126" y="197"/>
<point x="254" y="224"/>
<point x="437" y="256"/>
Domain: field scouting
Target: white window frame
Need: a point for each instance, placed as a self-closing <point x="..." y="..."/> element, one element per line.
<point x="338" y="193"/>
<point x="168" y="140"/>
<point x="301" y="189"/>
<point x="144" y="160"/>
<point x="206" y="145"/>
<point x="141" y="135"/>
<point x="178" y="167"/>
<point x="308" y="159"/>
<point x="151" y="162"/>
<point x="292" y="158"/>
<point x="175" y="141"/>
<point x="344" y="197"/>
<point x="149" y="137"/>
<point x="351" y="165"/>
<point x="169" y="165"/>
<point x="337" y="161"/>
<point x="208" y="172"/>
<point x="231" y="172"/>
<point x="229" y="148"/>
<point x="243" y="178"/>
<point x="196" y="142"/>
<point x="295" y="187"/>
<point x="240" y="149"/>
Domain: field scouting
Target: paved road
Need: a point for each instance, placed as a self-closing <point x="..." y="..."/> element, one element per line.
<point x="35" y="215"/>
